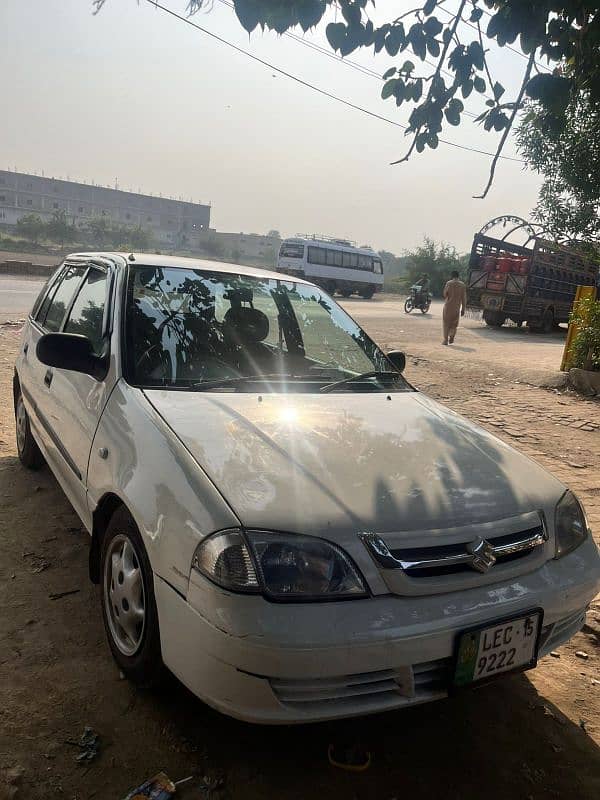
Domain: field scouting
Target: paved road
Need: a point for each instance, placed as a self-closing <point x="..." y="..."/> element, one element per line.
<point x="529" y="356"/>
<point x="533" y="357"/>
<point x="17" y="295"/>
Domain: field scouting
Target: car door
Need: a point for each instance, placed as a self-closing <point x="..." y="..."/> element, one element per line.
<point x="75" y="400"/>
<point x="34" y="377"/>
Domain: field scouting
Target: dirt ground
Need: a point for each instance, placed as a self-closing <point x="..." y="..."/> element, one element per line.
<point x="527" y="736"/>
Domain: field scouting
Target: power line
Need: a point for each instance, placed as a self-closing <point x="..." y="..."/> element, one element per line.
<point x="308" y="85"/>
<point x="347" y="61"/>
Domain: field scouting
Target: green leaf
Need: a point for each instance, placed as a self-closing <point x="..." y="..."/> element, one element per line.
<point x="475" y="51"/>
<point x="498" y="90"/>
<point x="466" y="88"/>
<point x="552" y="91"/>
<point x="248" y="15"/>
<point x="479" y="84"/>
<point x="395" y="39"/>
<point x="429" y="7"/>
<point x="476" y="14"/>
<point x="490" y="103"/>
<point x="434" y="47"/>
<point x="433" y="141"/>
<point x="417" y="90"/>
<point x="388" y="73"/>
<point x="494" y="26"/>
<point x="389" y="88"/>
<point x="408" y="66"/>
<point x="336" y="34"/>
<point x="433" y="26"/>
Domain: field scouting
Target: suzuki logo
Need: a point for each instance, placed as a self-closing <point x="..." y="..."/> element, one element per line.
<point x="483" y="555"/>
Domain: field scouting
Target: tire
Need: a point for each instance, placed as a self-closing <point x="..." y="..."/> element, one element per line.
<point x="494" y="319"/>
<point x="30" y="454"/>
<point x="345" y="292"/>
<point x="367" y="293"/>
<point x="408" y="306"/>
<point x="425" y="307"/>
<point x="137" y="649"/>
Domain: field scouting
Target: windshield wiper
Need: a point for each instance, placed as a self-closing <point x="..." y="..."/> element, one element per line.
<point x="203" y="386"/>
<point x="329" y="387"/>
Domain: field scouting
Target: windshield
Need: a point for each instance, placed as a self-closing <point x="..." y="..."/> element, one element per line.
<point x="187" y="327"/>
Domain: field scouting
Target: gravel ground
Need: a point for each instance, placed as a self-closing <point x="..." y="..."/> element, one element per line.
<point x="527" y="736"/>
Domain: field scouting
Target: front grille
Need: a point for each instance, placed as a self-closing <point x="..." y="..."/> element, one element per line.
<point x="367" y="691"/>
<point x="461" y="557"/>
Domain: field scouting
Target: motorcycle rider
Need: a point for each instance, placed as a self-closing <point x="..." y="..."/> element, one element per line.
<point x="423" y="284"/>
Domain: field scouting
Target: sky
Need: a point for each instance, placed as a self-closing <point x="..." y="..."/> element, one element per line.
<point x="135" y="96"/>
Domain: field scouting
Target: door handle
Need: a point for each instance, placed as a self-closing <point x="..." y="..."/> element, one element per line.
<point x="25" y="348"/>
<point x="48" y="377"/>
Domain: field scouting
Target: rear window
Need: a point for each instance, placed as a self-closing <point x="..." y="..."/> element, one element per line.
<point x="291" y="250"/>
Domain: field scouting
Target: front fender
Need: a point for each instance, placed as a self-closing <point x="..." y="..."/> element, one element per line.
<point x="137" y="457"/>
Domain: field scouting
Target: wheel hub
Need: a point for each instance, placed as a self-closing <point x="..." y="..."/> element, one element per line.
<point x="21" y="424"/>
<point x="124" y="596"/>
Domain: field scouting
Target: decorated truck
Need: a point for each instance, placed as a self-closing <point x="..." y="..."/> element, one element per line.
<point x="533" y="283"/>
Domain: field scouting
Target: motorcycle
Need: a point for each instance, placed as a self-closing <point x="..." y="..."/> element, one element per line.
<point x="418" y="299"/>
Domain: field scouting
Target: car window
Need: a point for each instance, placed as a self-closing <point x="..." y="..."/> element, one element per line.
<point x="54" y="307"/>
<point x="185" y="327"/>
<point x="47" y="289"/>
<point x="87" y="313"/>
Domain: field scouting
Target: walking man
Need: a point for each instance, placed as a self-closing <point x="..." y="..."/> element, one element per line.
<point x="455" y="301"/>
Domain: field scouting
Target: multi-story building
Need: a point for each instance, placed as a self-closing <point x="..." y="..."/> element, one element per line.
<point x="170" y="221"/>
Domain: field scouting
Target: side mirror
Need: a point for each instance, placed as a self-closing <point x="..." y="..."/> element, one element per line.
<point x="398" y="359"/>
<point x="71" y="351"/>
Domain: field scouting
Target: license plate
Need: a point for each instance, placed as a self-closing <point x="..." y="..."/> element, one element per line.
<point x="506" y="646"/>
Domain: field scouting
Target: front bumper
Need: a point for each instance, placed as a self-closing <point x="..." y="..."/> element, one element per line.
<point x="289" y="663"/>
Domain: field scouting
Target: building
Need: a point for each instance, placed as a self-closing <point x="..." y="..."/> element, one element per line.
<point x="170" y="221"/>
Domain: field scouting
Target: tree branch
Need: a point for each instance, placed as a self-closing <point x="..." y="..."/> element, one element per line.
<point x="485" y="64"/>
<point x="438" y="69"/>
<point x="508" y="128"/>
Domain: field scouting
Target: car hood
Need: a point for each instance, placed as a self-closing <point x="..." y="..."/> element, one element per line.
<point x="350" y="461"/>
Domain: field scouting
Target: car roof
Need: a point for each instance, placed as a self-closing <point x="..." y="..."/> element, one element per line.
<point x="179" y="262"/>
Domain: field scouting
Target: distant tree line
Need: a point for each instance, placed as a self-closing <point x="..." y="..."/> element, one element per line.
<point x="98" y="232"/>
<point x="436" y="260"/>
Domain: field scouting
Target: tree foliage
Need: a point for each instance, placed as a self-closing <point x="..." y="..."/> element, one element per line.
<point x="59" y="229"/>
<point x="435" y="260"/>
<point x="564" y="33"/>
<point x="585" y="350"/>
<point x="568" y="156"/>
<point x="31" y="227"/>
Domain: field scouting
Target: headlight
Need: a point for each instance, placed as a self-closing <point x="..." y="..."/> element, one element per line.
<point x="282" y="566"/>
<point x="224" y="558"/>
<point x="570" y="525"/>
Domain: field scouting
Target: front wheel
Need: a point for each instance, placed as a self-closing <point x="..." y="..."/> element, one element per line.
<point x="494" y="319"/>
<point x="128" y="603"/>
<point x="30" y="454"/>
<point x="408" y="306"/>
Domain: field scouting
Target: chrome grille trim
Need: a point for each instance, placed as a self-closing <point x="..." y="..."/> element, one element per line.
<point x="444" y="557"/>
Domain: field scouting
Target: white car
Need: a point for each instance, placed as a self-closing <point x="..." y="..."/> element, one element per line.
<point x="276" y="515"/>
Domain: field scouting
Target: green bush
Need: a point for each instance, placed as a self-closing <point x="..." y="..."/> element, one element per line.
<point x="585" y="349"/>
